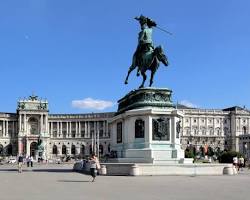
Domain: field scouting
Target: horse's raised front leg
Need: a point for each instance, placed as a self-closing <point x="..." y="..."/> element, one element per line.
<point x="132" y="67"/>
<point x="144" y="79"/>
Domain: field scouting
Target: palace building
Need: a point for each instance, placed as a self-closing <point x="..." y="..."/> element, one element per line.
<point x="61" y="134"/>
<point x="81" y="134"/>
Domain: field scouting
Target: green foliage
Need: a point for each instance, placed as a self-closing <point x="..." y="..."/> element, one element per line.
<point x="227" y="156"/>
<point x="190" y="152"/>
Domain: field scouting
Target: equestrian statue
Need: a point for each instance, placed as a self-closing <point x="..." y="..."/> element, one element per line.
<point x="146" y="56"/>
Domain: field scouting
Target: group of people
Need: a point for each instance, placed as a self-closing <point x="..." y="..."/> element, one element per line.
<point x="20" y="160"/>
<point x="238" y="162"/>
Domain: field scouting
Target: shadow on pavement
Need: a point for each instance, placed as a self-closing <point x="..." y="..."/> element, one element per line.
<point x="73" y="181"/>
<point x="9" y="170"/>
<point x="53" y="170"/>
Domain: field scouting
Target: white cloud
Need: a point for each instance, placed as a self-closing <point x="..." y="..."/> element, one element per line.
<point x="188" y="104"/>
<point x="89" y="103"/>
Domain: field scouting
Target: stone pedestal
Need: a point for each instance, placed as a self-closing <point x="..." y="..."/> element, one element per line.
<point x="145" y="129"/>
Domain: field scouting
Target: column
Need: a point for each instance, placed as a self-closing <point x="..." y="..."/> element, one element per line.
<point x="198" y="125"/>
<point x="85" y="129"/>
<point x="41" y="123"/>
<point x="13" y="128"/>
<point x="190" y="125"/>
<point x="67" y="128"/>
<point x="4" y="128"/>
<point x="27" y="147"/>
<point x="51" y="129"/>
<point x="80" y="129"/>
<point x="221" y="127"/>
<point x="57" y="129"/>
<point x="107" y="130"/>
<point x="7" y="127"/>
<point x="45" y="123"/>
<point x="104" y="128"/>
<point x="70" y="129"/>
<point x="19" y="123"/>
<point x="214" y="125"/>
<point x="206" y="125"/>
<point x="76" y="124"/>
<point x="89" y="130"/>
<point x="61" y="128"/>
<point x="182" y="126"/>
<point x="20" y="146"/>
<point x="24" y="123"/>
<point x="97" y="138"/>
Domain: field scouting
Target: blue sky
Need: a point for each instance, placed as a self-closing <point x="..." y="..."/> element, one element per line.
<point x="70" y="51"/>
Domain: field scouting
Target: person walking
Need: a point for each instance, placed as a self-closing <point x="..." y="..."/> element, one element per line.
<point x="31" y="161"/>
<point x="20" y="163"/>
<point x="28" y="161"/>
<point x="241" y="163"/>
<point x="235" y="162"/>
<point x="94" y="166"/>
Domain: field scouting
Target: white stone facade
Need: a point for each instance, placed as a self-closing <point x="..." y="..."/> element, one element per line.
<point x="222" y="129"/>
<point x="78" y="134"/>
<point x="61" y="134"/>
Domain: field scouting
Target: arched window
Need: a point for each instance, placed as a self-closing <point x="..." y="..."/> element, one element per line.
<point x="54" y="150"/>
<point x="1" y="150"/>
<point x="211" y="131"/>
<point x="73" y="149"/>
<point x="187" y="131"/>
<point x="90" y="149"/>
<point x="139" y="128"/>
<point x="244" y="129"/>
<point x="203" y="130"/>
<point x="101" y="149"/>
<point x="83" y="150"/>
<point x="218" y="131"/>
<point x="64" y="149"/>
<point x="225" y="131"/>
<point x="33" y="148"/>
<point x="9" y="149"/>
<point x="109" y="148"/>
<point x="33" y="126"/>
<point x="195" y="131"/>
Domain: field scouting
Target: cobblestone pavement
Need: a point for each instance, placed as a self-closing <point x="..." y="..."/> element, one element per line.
<point x="59" y="182"/>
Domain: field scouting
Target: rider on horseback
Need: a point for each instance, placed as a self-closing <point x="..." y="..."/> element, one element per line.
<point x="145" y="43"/>
<point x="146" y="56"/>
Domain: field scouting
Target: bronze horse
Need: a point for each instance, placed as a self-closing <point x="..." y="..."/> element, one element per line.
<point x="148" y="61"/>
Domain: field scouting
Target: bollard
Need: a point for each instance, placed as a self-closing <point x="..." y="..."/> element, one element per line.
<point x="103" y="170"/>
<point x="228" y="171"/>
<point x="134" y="171"/>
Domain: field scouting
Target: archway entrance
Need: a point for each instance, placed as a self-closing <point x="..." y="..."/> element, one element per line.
<point x="64" y="150"/>
<point x="33" y="149"/>
<point x="54" y="150"/>
<point x="1" y="150"/>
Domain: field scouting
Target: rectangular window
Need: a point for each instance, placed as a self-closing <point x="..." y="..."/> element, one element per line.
<point x="119" y="132"/>
<point x="101" y="133"/>
<point x="139" y="128"/>
<point x="73" y="133"/>
<point x="82" y="133"/>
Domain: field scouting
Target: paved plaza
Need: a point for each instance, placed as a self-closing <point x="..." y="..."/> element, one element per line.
<point x="59" y="182"/>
